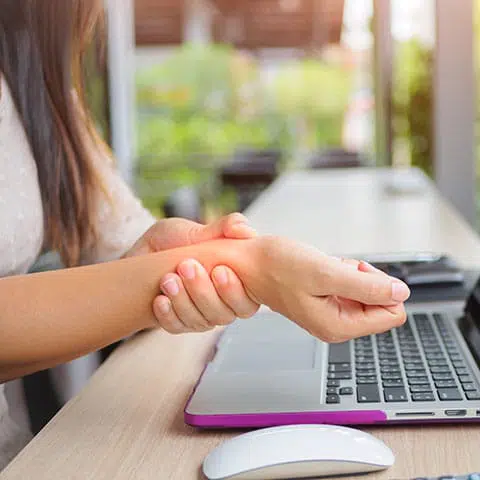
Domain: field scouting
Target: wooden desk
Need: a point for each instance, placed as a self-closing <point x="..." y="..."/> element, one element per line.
<point x="128" y="422"/>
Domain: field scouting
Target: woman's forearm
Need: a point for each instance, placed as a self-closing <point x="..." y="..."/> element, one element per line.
<point x="53" y="317"/>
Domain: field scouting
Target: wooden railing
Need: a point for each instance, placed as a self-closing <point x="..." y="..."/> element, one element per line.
<point x="247" y="23"/>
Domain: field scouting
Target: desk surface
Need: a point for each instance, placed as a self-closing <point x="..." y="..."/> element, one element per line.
<point x="128" y="422"/>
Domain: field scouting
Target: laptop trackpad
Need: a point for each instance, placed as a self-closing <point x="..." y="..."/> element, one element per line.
<point x="239" y="355"/>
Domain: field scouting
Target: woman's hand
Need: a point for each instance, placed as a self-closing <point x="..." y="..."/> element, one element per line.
<point x="205" y="303"/>
<point x="335" y="300"/>
<point x="195" y="303"/>
<point x="179" y="232"/>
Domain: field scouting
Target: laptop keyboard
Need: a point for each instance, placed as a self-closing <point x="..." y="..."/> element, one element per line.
<point x="420" y="362"/>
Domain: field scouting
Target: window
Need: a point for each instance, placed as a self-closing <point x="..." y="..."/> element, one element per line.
<point x="287" y="79"/>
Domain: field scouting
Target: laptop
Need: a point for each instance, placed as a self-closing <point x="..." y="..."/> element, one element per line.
<point x="267" y="371"/>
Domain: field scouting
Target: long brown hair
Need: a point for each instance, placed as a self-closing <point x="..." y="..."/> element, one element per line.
<point x="42" y="46"/>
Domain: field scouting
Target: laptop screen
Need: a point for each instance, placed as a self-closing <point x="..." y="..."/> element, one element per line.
<point x="470" y="323"/>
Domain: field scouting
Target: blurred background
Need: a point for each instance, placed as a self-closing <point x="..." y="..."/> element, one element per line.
<point x="206" y="102"/>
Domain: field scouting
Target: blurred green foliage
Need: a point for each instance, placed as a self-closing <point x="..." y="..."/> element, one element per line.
<point x="203" y="102"/>
<point x="315" y="95"/>
<point x="413" y="101"/>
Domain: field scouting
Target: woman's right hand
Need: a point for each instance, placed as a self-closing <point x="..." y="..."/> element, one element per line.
<point x="332" y="299"/>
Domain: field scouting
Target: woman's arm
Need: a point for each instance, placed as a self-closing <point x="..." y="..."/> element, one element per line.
<point x="53" y="317"/>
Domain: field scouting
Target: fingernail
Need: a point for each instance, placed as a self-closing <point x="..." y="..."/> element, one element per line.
<point x="164" y="305"/>
<point x="221" y="275"/>
<point x="187" y="269"/>
<point x="170" y="287"/>
<point x="400" y="291"/>
<point x="244" y="228"/>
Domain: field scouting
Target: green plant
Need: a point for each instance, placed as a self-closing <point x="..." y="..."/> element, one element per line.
<point x="203" y="102"/>
<point x="314" y="94"/>
<point x="413" y="101"/>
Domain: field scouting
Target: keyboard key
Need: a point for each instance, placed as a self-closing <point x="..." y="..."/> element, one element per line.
<point x="396" y="394"/>
<point x="446" y="394"/>
<point x="411" y="356"/>
<point x="364" y="351"/>
<point x="333" y="399"/>
<point x="387" y="356"/>
<point x="416" y="373"/>
<point x="442" y="369"/>
<point x="469" y="387"/>
<point x="339" y="367"/>
<point x="429" y="350"/>
<point x="368" y="394"/>
<point x="435" y="356"/>
<point x="423" y="397"/>
<point x="346" y="391"/>
<point x="465" y="378"/>
<point x="339" y="352"/>
<point x="365" y="366"/>
<point x="385" y="347"/>
<point x="451" y="349"/>
<point x="333" y="383"/>
<point x="366" y="380"/>
<point x="332" y="391"/>
<point x="389" y="370"/>
<point x="391" y="376"/>
<point x="442" y="376"/>
<point x="418" y="381"/>
<point x="462" y="370"/>
<point x="458" y="363"/>
<point x="473" y="395"/>
<point x="410" y="347"/>
<point x="339" y="376"/>
<point x="393" y="383"/>
<point x="412" y="366"/>
<point x="363" y="359"/>
<point x="413" y="361"/>
<point x="435" y="363"/>
<point x="366" y="373"/>
<point x="445" y="384"/>
<point x="389" y="363"/>
<point x="420" y="388"/>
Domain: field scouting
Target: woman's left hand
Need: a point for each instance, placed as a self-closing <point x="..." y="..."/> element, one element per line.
<point x="191" y="300"/>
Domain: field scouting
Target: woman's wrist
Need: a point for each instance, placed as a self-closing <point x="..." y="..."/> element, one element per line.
<point x="248" y="259"/>
<point x="245" y="257"/>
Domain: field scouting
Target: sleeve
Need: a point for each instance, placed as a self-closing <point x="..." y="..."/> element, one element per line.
<point x="120" y="217"/>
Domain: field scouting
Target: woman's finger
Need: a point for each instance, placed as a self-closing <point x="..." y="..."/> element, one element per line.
<point x="232" y="292"/>
<point x="185" y="310"/>
<point x="166" y="316"/>
<point x="369" y="268"/>
<point x="203" y="294"/>
<point x="233" y="226"/>
<point x="236" y="226"/>
<point x="348" y="319"/>
<point x="365" y="287"/>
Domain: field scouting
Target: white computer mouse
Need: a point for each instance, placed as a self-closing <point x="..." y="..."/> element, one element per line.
<point x="297" y="451"/>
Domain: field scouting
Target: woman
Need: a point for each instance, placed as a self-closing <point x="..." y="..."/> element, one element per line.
<point x="58" y="191"/>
